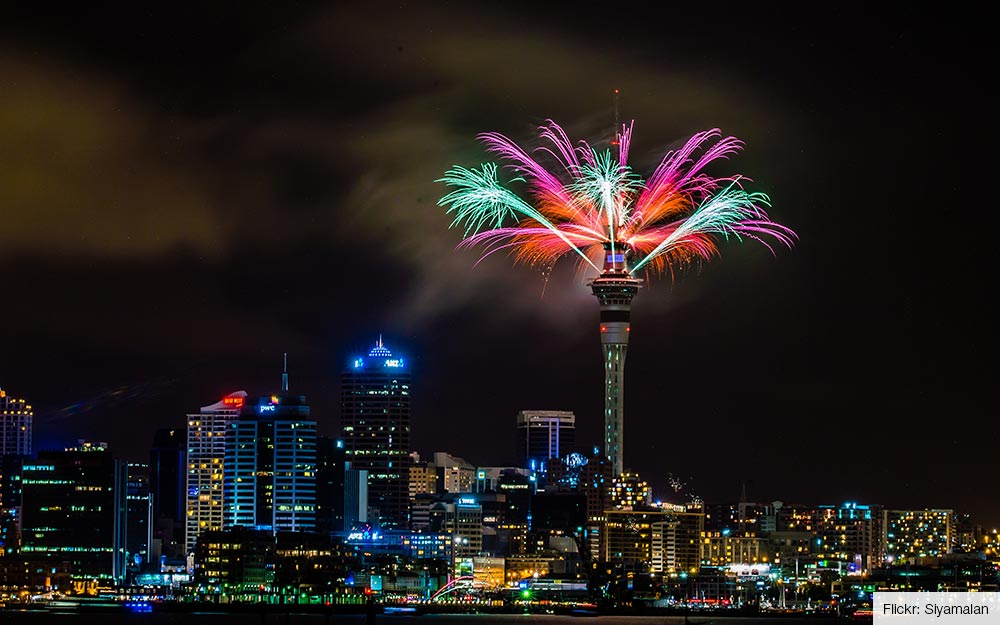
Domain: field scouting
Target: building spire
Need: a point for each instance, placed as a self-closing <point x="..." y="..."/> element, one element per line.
<point x="380" y="339"/>
<point x="616" y="137"/>
<point x="284" y="376"/>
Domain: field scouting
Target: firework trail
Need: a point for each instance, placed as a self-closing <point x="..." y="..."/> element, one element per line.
<point x="680" y="489"/>
<point x="583" y="201"/>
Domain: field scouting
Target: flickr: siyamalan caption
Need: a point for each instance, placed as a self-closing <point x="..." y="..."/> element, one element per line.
<point x="947" y="610"/>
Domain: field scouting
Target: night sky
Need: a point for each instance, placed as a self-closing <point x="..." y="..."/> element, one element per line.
<point x="186" y="194"/>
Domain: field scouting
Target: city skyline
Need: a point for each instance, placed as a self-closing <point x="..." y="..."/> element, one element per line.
<point x="186" y="198"/>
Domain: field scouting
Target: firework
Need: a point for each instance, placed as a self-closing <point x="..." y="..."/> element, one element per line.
<point x="582" y="201"/>
<point x="592" y="205"/>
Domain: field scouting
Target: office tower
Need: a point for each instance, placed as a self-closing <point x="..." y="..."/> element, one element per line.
<point x="139" y="516"/>
<point x="544" y="434"/>
<point x="15" y="425"/>
<point x="270" y="465"/>
<point x="206" y="451"/>
<point x="167" y="480"/>
<point x="10" y="502"/>
<point x="16" y="418"/>
<point x="614" y="289"/>
<point x="375" y="427"/>
<point x="331" y="485"/>
<point x="74" y="509"/>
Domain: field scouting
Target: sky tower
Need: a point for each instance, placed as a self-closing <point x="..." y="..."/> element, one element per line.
<point x="614" y="289"/>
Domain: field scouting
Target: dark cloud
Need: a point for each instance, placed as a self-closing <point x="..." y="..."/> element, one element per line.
<point x="187" y="194"/>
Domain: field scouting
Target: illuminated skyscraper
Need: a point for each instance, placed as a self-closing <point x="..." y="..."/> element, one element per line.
<point x="270" y="465"/>
<point x="206" y="451"/>
<point x="375" y="428"/>
<point x="615" y="288"/>
<point x="15" y="426"/>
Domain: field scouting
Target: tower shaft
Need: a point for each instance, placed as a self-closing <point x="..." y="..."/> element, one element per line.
<point x="614" y="289"/>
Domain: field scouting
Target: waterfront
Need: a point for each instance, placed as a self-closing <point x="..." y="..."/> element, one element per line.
<point x="39" y="617"/>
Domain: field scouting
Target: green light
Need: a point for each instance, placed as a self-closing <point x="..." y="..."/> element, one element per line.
<point x="526" y="594"/>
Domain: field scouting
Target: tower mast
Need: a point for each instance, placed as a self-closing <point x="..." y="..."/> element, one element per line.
<point x="614" y="288"/>
<point x="616" y="130"/>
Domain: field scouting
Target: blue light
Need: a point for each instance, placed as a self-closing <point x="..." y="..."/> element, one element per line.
<point x="266" y="408"/>
<point x="138" y="606"/>
<point x="394" y="362"/>
<point x="358" y="363"/>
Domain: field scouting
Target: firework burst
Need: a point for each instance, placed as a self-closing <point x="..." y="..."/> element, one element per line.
<point x="582" y="201"/>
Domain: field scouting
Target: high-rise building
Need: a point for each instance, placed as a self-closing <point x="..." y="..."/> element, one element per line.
<point x="591" y="477"/>
<point x="614" y="289"/>
<point x="849" y="533"/>
<point x="331" y="469"/>
<point x="911" y="534"/>
<point x="206" y="452"/>
<point x="462" y="518"/>
<point x="10" y="502"/>
<point x="423" y="477"/>
<point x="665" y="540"/>
<point x="629" y="491"/>
<point x="15" y="425"/>
<point x="375" y="427"/>
<point x="341" y="491"/>
<point x="542" y="435"/>
<point x="355" y="498"/>
<point x="167" y="482"/>
<point x="270" y="465"/>
<point x="242" y="558"/>
<point x="74" y="509"/>
<point x="139" y="517"/>
<point x="455" y="475"/>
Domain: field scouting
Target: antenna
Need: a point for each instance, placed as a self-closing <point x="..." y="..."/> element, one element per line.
<point x="284" y="376"/>
<point x="617" y="130"/>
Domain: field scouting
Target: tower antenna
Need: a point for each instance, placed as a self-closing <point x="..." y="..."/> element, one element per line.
<point x="284" y="376"/>
<point x="616" y="135"/>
